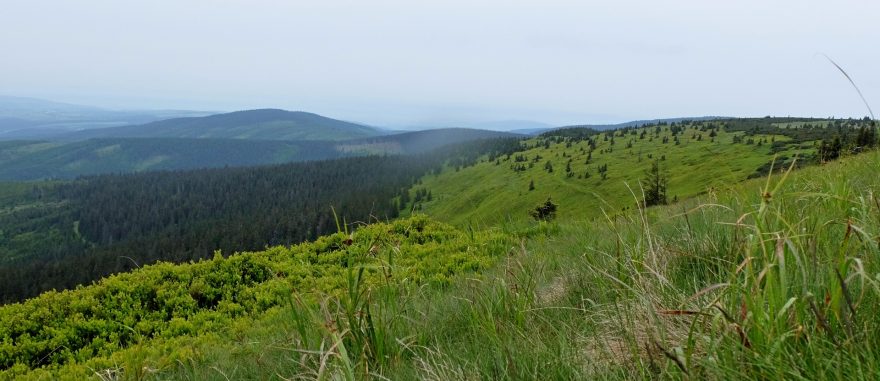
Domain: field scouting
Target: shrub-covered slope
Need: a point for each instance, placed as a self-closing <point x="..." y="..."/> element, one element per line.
<point x="68" y="334"/>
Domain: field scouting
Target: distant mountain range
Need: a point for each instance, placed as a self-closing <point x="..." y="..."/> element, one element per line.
<point x="59" y="140"/>
<point x="263" y="124"/>
<point x="46" y="139"/>
<point x="31" y="118"/>
<point x="521" y="127"/>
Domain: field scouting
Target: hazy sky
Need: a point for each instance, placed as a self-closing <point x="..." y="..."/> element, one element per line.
<point x="416" y="62"/>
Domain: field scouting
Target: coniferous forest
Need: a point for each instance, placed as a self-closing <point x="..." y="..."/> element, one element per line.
<point x="180" y="216"/>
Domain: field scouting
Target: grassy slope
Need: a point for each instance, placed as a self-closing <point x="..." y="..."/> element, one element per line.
<point x="490" y="193"/>
<point x="739" y="287"/>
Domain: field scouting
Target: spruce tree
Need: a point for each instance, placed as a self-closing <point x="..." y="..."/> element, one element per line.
<point x="654" y="185"/>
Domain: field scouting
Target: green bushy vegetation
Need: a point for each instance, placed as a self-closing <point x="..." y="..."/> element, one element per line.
<point x="92" y="326"/>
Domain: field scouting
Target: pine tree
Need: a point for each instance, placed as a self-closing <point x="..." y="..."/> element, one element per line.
<point x="531" y="185"/>
<point x="867" y="137"/>
<point x="830" y="151"/>
<point x="655" y="185"/>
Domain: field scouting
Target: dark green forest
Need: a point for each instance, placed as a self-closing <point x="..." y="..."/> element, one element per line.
<point x="31" y="160"/>
<point x="180" y="216"/>
<point x="35" y="160"/>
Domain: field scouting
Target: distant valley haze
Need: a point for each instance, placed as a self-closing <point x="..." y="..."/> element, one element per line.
<point x="32" y="118"/>
<point x="49" y="112"/>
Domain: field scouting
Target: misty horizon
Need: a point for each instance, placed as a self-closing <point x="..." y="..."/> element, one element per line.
<point x="487" y="124"/>
<point x="397" y="65"/>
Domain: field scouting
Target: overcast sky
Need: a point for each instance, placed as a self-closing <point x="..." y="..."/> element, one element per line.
<point x="448" y="62"/>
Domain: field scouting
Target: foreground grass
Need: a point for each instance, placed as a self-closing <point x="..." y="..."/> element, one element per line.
<point x="775" y="279"/>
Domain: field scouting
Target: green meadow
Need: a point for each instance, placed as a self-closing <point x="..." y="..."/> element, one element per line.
<point x="493" y="191"/>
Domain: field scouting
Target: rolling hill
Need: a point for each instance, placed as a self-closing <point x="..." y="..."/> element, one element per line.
<point x="262" y="124"/>
<point x="597" y="172"/>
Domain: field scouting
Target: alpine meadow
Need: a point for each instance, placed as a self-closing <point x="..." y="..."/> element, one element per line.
<point x="439" y="191"/>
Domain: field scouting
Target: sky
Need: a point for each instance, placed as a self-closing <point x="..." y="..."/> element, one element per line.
<point x="419" y="63"/>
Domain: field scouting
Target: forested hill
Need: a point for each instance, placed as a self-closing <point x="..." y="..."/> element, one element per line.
<point x="106" y="224"/>
<point x="33" y="160"/>
<point x="262" y="124"/>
